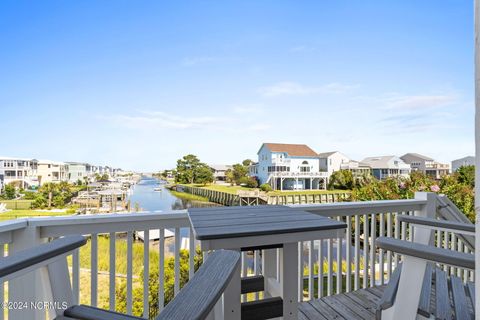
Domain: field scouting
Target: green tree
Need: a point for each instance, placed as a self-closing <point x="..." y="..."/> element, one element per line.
<point x="186" y="169"/>
<point x="239" y="172"/>
<point x="342" y="180"/>
<point x="247" y="162"/>
<point x="229" y="176"/>
<point x="10" y="192"/>
<point x="203" y="175"/>
<point x="466" y="175"/>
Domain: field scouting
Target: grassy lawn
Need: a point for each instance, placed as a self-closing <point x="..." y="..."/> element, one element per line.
<point x="188" y="196"/>
<point x="29" y="213"/>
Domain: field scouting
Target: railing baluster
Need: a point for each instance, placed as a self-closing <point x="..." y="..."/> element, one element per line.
<point x="373" y="259"/>
<point x="75" y="276"/>
<point x="129" y="271"/>
<point x="300" y="270"/>
<point x="348" y="245"/>
<point x="330" y="267"/>
<point x="460" y="249"/>
<point x="146" y="272"/>
<point x="410" y="227"/>
<point x="256" y="267"/>
<point x="243" y="272"/>
<point x="357" y="253"/>
<point x="446" y="245"/>
<point x="465" y="271"/>
<point x="389" y="253"/>
<point x="94" y="270"/>
<point x="365" y="250"/>
<point x="396" y="234"/>
<point x="311" y="294"/>
<point x="176" y="288"/>
<point x="404" y="229"/>
<point x="380" y="253"/>
<point x="453" y="247"/>
<point x="112" y="271"/>
<point x="320" y="269"/>
<point x="161" y="269"/>
<point x="191" y="254"/>
<point x="339" y="263"/>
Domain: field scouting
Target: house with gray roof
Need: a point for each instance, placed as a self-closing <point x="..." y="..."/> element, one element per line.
<point x="384" y="167"/>
<point x="465" y="161"/>
<point x="427" y="165"/>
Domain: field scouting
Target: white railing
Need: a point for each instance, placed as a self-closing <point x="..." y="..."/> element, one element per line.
<point x="362" y="265"/>
<point x="288" y="174"/>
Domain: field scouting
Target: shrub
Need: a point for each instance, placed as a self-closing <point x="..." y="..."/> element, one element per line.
<point x="266" y="187"/>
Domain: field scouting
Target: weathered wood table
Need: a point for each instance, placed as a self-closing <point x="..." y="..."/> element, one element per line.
<point x="266" y="228"/>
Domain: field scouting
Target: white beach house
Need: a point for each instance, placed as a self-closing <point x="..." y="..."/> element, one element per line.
<point x="52" y="171"/>
<point x="426" y="165"/>
<point x="384" y="167"/>
<point x="19" y="170"/>
<point x="465" y="161"/>
<point x="332" y="161"/>
<point x="289" y="167"/>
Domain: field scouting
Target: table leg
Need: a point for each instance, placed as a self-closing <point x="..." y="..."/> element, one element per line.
<point x="289" y="280"/>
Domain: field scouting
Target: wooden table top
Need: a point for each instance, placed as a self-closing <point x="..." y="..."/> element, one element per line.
<point x="248" y="221"/>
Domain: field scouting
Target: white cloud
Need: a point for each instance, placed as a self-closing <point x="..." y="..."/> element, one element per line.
<point x="420" y="101"/>
<point x="160" y="119"/>
<point x="248" y="109"/>
<point x="258" y="127"/>
<point x="294" y="88"/>
<point x="301" y="48"/>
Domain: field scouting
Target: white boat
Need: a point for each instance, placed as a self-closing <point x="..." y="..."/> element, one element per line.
<point x="158" y="189"/>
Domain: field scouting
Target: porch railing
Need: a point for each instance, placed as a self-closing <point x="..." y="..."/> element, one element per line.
<point x="326" y="266"/>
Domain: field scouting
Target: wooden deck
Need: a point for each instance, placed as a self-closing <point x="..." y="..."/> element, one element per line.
<point x="356" y="305"/>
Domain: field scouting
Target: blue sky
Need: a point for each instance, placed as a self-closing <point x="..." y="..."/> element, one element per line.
<point x="138" y="84"/>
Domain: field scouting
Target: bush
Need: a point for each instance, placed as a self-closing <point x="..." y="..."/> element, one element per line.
<point x="266" y="187"/>
<point x="249" y="182"/>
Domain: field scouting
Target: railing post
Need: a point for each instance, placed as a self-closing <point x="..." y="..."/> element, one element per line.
<point x="31" y="288"/>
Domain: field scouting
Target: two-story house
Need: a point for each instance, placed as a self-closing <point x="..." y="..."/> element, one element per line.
<point x="289" y="167"/>
<point x="78" y="171"/>
<point x="465" y="161"/>
<point x="19" y="170"/>
<point x="384" y="167"/>
<point x="426" y="165"/>
<point x="52" y="171"/>
<point x="332" y="161"/>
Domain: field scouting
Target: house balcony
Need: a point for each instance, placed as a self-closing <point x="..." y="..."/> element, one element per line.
<point x="289" y="174"/>
<point x="98" y="283"/>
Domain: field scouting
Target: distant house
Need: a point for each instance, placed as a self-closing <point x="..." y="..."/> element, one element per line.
<point x="384" y="167"/>
<point x="426" y="165"/>
<point x="466" y="161"/>
<point x="18" y="170"/>
<point x="78" y="171"/>
<point x="289" y="167"/>
<point x="219" y="171"/>
<point x="332" y="161"/>
<point x="51" y="171"/>
<point x="356" y="167"/>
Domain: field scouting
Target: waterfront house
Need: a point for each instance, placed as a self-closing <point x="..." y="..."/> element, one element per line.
<point x="78" y="171"/>
<point x="289" y="167"/>
<point x="21" y="171"/>
<point x="465" y="161"/>
<point x="219" y="172"/>
<point x="332" y="161"/>
<point x="357" y="168"/>
<point x="51" y="171"/>
<point x="426" y="165"/>
<point x="384" y="167"/>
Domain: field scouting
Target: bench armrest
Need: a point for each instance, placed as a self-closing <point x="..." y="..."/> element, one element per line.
<point x="459" y="227"/>
<point x="198" y="297"/>
<point x="38" y="256"/>
<point x="430" y="253"/>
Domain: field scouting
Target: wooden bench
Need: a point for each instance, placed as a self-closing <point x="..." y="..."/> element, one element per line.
<point x="196" y="300"/>
<point x="443" y="296"/>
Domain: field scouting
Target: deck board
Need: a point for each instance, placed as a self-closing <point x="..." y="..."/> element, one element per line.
<point x="360" y="304"/>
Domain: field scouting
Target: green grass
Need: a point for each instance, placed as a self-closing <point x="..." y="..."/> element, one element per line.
<point x="29" y="213"/>
<point x="188" y="196"/>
